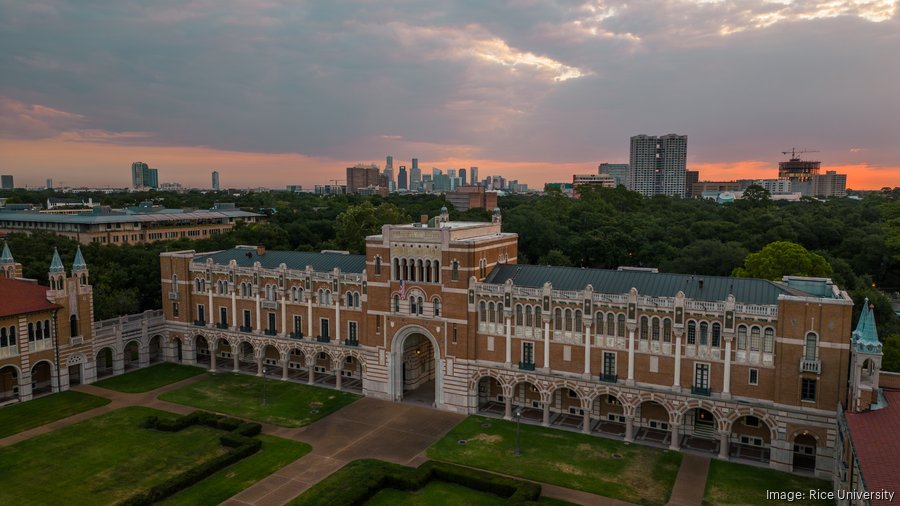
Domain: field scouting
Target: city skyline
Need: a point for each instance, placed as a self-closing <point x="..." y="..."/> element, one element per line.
<point x="509" y="89"/>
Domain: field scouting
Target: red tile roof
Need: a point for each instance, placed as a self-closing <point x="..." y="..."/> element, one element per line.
<point x="874" y="435"/>
<point x="18" y="296"/>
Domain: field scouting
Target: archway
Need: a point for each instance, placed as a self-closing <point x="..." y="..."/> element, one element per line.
<point x="527" y="396"/>
<point x="224" y="357"/>
<point x="246" y="357"/>
<point x="610" y="413"/>
<point x="416" y="367"/>
<point x="203" y="351"/>
<point x="271" y="359"/>
<point x="652" y="418"/>
<point x="178" y="349"/>
<point x="9" y="384"/>
<point x="805" y="452"/>
<point x="352" y="374"/>
<point x="132" y="355"/>
<point x="700" y="430"/>
<point x="297" y="370"/>
<point x="104" y="362"/>
<point x="155" y="349"/>
<point x="490" y="396"/>
<point x="750" y="439"/>
<point x="565" y="407"/>
<point x="41" y="378"/>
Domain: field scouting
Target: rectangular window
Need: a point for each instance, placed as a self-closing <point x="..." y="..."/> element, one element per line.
<point x="175" y="309"/>
<point x="271" y="327"/>
<point x="298" y="324"/>
<point x="323" y="326"/>
<point x="352" y="333"/>
<point x="808" y="390"/>
<point x="223" y="315"/>
<point x="247" y="322"/>
<point x="754" y="377"/>
<point x="454" y="339"/>
<point x="528" y="352"/>
<point x="609" y="363"/>
<point x="201" y="313"/>
<point x="701" y="376"/>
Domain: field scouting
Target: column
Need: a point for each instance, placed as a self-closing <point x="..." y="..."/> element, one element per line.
<point x="309" y="330"/>
<point x="258" y="320"/>
<point x="629" y="428"/>
<point x="285" y="361"/>
<point x="587" y="351"/>
<point x="336" y="366"/>
<point x="726" y="381"/>
<point x="586" y="424"/>
<point x="119" y="361"/>
<point x="311" y="367"/>
<point x="25" y="386"/>
<point x="677" y="385"/>
<point x="337" y="320"/>
<point x="210" y="315"/>
<point x="259" y="361"/>
<point x="630" y="380"/>
<point x="675" y="444"/>
<point x="546" y="346"/>
<point x="508" y="344"/>
<point x="507" y="407"/>
<point x="283" y="315"/>
<point x="235" y="354"/>
<point x="723" y="445"/>
<point x="546" y="420"/>
<point x="234" y="315"/>
<point x="212" y="357"/>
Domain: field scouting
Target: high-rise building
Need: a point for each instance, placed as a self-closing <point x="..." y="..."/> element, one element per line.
<point x="690" y="177"/>
<point x="797" y="170"/>
<point x="151" y="178"/>
<point x="619" y="172"/>
<point x="462" y="177"/>
<point x="363" y="176"/>
<point x="137" y="174"/>
<point x="415" y="163"/>
<point x="657" y="164"/>
<point x="6" y="182"/>
<point x="389" y="172"/>
<point x="49" y="183"/>
<point x="215" y="180"/>
<point x="401" y="179"/>
<point x="473" y="175"/>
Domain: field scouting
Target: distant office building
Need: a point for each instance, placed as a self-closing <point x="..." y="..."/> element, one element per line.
<point x="401" y="179"/>
<point x="619" y="172"/>
<point x="143" y="177"/>
<point x="330" y="189"/>
<point x="6" y="182"/>
<point x="472" y="197"/>
<point x="714" y="187"/>
<point x="415" y="163"/>
<point x="600" y="180"/>
<point x="830" y="184"/>
<point x="690" y="177"/>
<point x="215" y="180"/>
<point x="415" y="179"/>
<point x="462" y="177"/>
<point x="773" y="186"/>
<point x="294" y="188"/>
<point x="151" y="178"/>
<point x="473" y="175"/>
<point x="49" y="183"/>
<point x="657" y="164"/>
<point x="363" y="176"/>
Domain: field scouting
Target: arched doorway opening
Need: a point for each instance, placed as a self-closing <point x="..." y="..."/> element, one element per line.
<point x="805" y="453"/>
<point x="700" y="431"/>
<point x="179" y="352"/>
<point x="352" y="374"/>
<point x="41" y="378"/>
<point x="527" y="396"/>
<point x="9" y="384"/>
<point x="155" y="349"/>
<point x="104" y="362"/>
<point x="566" y="410"/>
<point x="652" y="418"/>
<point x="246" y="358"/>
<point x="416" y="367"/>
<point x="76" y="369"/>
<point x="610" y="415"/>
<point x="271" y="359"/>
<point x="203" y="351"/>
<point x="750" y="439"/>
<point x="490" y="396"/>
<point x="132" y="355"/>
<point x="297" y="365"/>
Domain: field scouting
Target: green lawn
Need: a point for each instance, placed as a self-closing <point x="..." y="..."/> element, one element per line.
<point x="150" y="378"/>
<point x="289" y="404"/>
<point x="633" y="473"/>
<point x="435" y="492"/>
<point x="103" y="460"/>
<point x="733" y="484"/>
<point x="275" y="454"/>
<point x="16" y="418"/>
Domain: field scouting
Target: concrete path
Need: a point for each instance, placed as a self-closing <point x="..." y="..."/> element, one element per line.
<point x="690" y="484"/>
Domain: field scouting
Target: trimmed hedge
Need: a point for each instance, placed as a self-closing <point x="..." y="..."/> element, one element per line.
<point x="239" y="436"/>
<point x="360" y="480"/>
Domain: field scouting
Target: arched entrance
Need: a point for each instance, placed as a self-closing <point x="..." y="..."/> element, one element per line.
<point x="565" y="408"/>
<point x="9" y="384"/>
<point x="805" y="453"/>
<point x="700" y="431"/>
<point x="296" y="365"/>
<point x="41" y="378"/>
<point x="201" y="345"/>
<point x="104" y="362"/>
<point x="652" y="418"/>
<point x="132" y="355"/>
<point x="178" y="351"/>
<point x="608" y="409"/>
<point x="246" y="358"/>
<point x="154" y="349"/>
<point x="416" y="367"/>
<point x="352" y="374"/>
<point x="490" y="396"/>
<point x="527" y="395"/>
<point x="750" y="439"/>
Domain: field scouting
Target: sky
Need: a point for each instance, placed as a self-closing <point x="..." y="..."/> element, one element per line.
<point x="272" y="92"/>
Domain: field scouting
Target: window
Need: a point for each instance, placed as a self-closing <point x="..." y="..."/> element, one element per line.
<point x="578" y="325"/>
<point x="356" y="300"/>
<point x="692" y="332"/>
<point x="701" y="375"/>
<point x="620" y="325"/>
<point x="30" y="331"/>
<point x="73" y="325"/>
<point x="223" y="315"/>
<point x="271" y="319"/>
<point x="645" y="328"/>
<point x="704" y="333"/>
<point x="349" y="300"/>
<point x="175" y="309"/>
<point x="454" y="272"/>
<point x="412" y="305"/>
<point x="808" y="390"/>
<point x="529" y="317"/>
<point x="397" y="304"/>
<point x="436" y="304"/>
<point x="568" y="320"/>
<point x="323" y="327"/>
<point x="810" y="351"/>
<point x="528" y="352"/>
<point x="609" y="363"/>
<point x="46" y="329"/>
<point x="537" y="316"/>
<point x="754" y="377"/>
<point x="298" y="325"/>
<point x="742" y="337"/>
<point x="421" y="304"/>
<point x="352" y="331"/>
<point x="716" y="335"/>
<point x="667" y="330"/>
<point x="769" y="341"/>
<point x="754" y="338"/>
<point x="611" y="324"/>
<point x="247" y="322"/>
<point x="655" y="328"/>
<point x="751" y="421"/>
<point x="454" y="338"/>
<point x="519" y="316"/>
<point x="378" y="265"/>
<point x="557" y="319"/>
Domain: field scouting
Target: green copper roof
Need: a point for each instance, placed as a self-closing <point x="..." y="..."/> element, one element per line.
<point x="321" y="262"/>
<point x="6" y="257"/>
<point x="79" y="264"/>
<point x="56" y="264"/>
<point x="865" y="337"/>
<point x="653" y="284"/>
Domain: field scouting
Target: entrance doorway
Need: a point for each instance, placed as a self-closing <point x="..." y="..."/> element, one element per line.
<point x="75" y="374"/>
<point x="805" y="453"/>
<point x="418" y="369"/>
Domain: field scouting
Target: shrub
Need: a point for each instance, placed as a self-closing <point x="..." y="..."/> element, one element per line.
<point x="249" y="429"/>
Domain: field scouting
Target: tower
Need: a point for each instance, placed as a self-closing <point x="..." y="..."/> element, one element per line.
<point x="401" y="178"/>
<point x="8" y="267"/>
<point x="865" y="362"/>
<point x="57" y="273"/>
<point x="215" y="180"/>
<point x="657" y="164"/>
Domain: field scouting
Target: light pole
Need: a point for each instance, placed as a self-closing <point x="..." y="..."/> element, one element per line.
<point x="518" y="416"/>
<point x="265" y="393"/>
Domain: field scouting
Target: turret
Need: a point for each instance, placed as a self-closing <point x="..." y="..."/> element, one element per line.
<point x="7" y="263"/>
<point x="57" y="272"/>
<point x="865" y="362"/>
<point x="79" y="268"/>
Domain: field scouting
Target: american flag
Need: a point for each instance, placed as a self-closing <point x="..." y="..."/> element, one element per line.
<point x="402" y="288"/>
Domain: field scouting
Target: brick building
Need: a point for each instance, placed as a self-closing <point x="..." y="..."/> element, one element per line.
<point x="747" y="369"/>
<point x="472" y="197"/>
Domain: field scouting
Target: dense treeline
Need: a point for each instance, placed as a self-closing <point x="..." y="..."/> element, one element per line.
<point x="606" y="228"/>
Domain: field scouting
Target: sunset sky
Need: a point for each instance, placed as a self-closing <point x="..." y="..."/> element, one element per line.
<point x="272" y="92"/>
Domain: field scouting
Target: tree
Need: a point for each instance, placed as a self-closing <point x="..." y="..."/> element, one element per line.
<point x="555" y="257"/>
<point x="782" y="258"/>
<point x="354" y="224"/>
<point x="757" y="195"/>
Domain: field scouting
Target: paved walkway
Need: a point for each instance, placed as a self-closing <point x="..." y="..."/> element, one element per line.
<point x="690" y="484"/>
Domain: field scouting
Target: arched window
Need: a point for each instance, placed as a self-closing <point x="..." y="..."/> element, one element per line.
<point x="537" y="316"/>
<point x="704" y="333"/>
<point x="38" y="330"/>
<point x="197" y="285"/>
<point x="397" y="269"/>
<point x="270" y="292"/>
<point x="529" y="317"/>
<point x="742" y="337"/>
<point x="557" y="319"/>
<point x="321" y="296"/>
<point x="611" y="324"/>
<point x="482" y="312"/>
<point x="620" y="325"/>
<point x="293" y="294"/>
<point x="30" y="331"/>
<point x="692" y="332"/>
<point x="654" y="327"/>
<point x="413" y="308"/>
<point x="499" y="312"/>
<point x="519" y="315"/>
<point x="492" y="314"/>
<point x="437" y="271"/>
<point x="421" y="305"/>
<point x="769" y="340"/>
<point x="378" y="265"/>
<point x="810" y="349"/>
<point x="436" y="303"/>
<point x="4" y="342"/>
<point x="667" y="330"/>
<point x="46" y="329"/>
<point x="454" y="272"/>
<point x="578" y="323"/>
<point x="754" y="338"/>
<point x="428" y="271"/>
<point x="645" y="328"/>
<point x="598" y="324"/>
<point x="73" y="325"/>
<point x="716" y="335"/>
<point x="568" y="320"/>
<point x="396" y="303"/>
<point x="356" y="299"/>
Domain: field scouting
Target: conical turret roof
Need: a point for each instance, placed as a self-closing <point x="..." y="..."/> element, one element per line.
<point x="6" y="256"/>
<point x="56" y="264"/>
<point x="79" y="264"/>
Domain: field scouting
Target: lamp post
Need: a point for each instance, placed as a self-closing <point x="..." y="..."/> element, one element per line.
<point x="518" y="417"/>
<point x="265" y="393"/>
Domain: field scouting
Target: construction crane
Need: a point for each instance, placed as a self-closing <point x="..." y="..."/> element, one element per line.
<point x="794" y="151"/>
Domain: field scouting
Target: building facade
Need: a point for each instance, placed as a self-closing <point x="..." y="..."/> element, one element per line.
<point x="364" y="176"/>
<point x="600" y="180"/>
<point x="619" y="171"/>
<point x="472" y="197"/>
<point x="6" y="182"/>
<point x="740" y="368"/>
<point x="657" y="165"/>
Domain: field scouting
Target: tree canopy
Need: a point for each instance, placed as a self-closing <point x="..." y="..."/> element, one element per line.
<point x="783" y="258"/>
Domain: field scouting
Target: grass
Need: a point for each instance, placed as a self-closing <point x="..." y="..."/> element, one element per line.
<point x="20" y="417"/>
<point x="601" y="466"/>
<point x="733" y="484"/>
<point x="275" y="454"/>
<point x="289" y="404"/>
<point x="103" y="460"/>
<point x="150" y="378"/>
<point x="435" y="492"/>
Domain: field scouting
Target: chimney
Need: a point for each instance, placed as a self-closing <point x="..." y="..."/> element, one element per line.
<point x="423" y="219"/>
<point x="260" y="250"/>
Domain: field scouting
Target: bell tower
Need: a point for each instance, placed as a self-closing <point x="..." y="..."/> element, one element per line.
<point x="57" y="273"/>
<point x="8" y="267"/>
<point x="865" y="362"/>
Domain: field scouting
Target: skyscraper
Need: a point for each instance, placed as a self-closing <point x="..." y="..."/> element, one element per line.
<point x="389" y="172"/>
<point x="415" y="178"/>
<point x="658" y="164"/>
<point x="619" y="172"/>
<point x="364" y="176"/>
<point x="6" y="182"/>
<point x="473" y="175"/>
<point x="137" y="174"/>
<point x="151" y="178"/>
<point x="462" y="177"/>
<point x="401" y="178"/>
<point x="215" y="180"/>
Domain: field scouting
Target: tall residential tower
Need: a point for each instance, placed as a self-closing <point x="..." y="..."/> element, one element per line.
<point x="658" y="164"/>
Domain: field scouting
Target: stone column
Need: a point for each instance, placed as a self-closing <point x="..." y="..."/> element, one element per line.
<point x="25" y="386"/>
<point x="508" y="344"/>
<point x="337" y="320"/>
<point x="258" y="325"/>
<point x="209" y="317"/>
<point x="507" y="406"/>
<point x="236" y="355"/>
<point x="675" y="444"/>
<point x="586" y="424"/>
<point x="723" y="445"/>
<point x="143" y="352"/>
<point x="337" y="366"/>
<point x="119" y="362"/>
<point x="587" y="351"/>
<point x="259" y="360"/>
<point x="283" y="315"/>
<point x="546" y="420"/>
<point x="309" y="318"/>
<point x="212" y="356"/>
<point x="311" y="367"/>
<point x="629" y="428"/>
<point x="547" y="346"/>
<point x="726" y="381"/>
<point x="285" y="361"/>
<point x="234" y="315"/>
<point x="676" y="386"/>
<point x="630" y="380"/>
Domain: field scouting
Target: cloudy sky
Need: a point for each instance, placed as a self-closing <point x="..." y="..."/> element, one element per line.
<point x="274" y="92"/>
